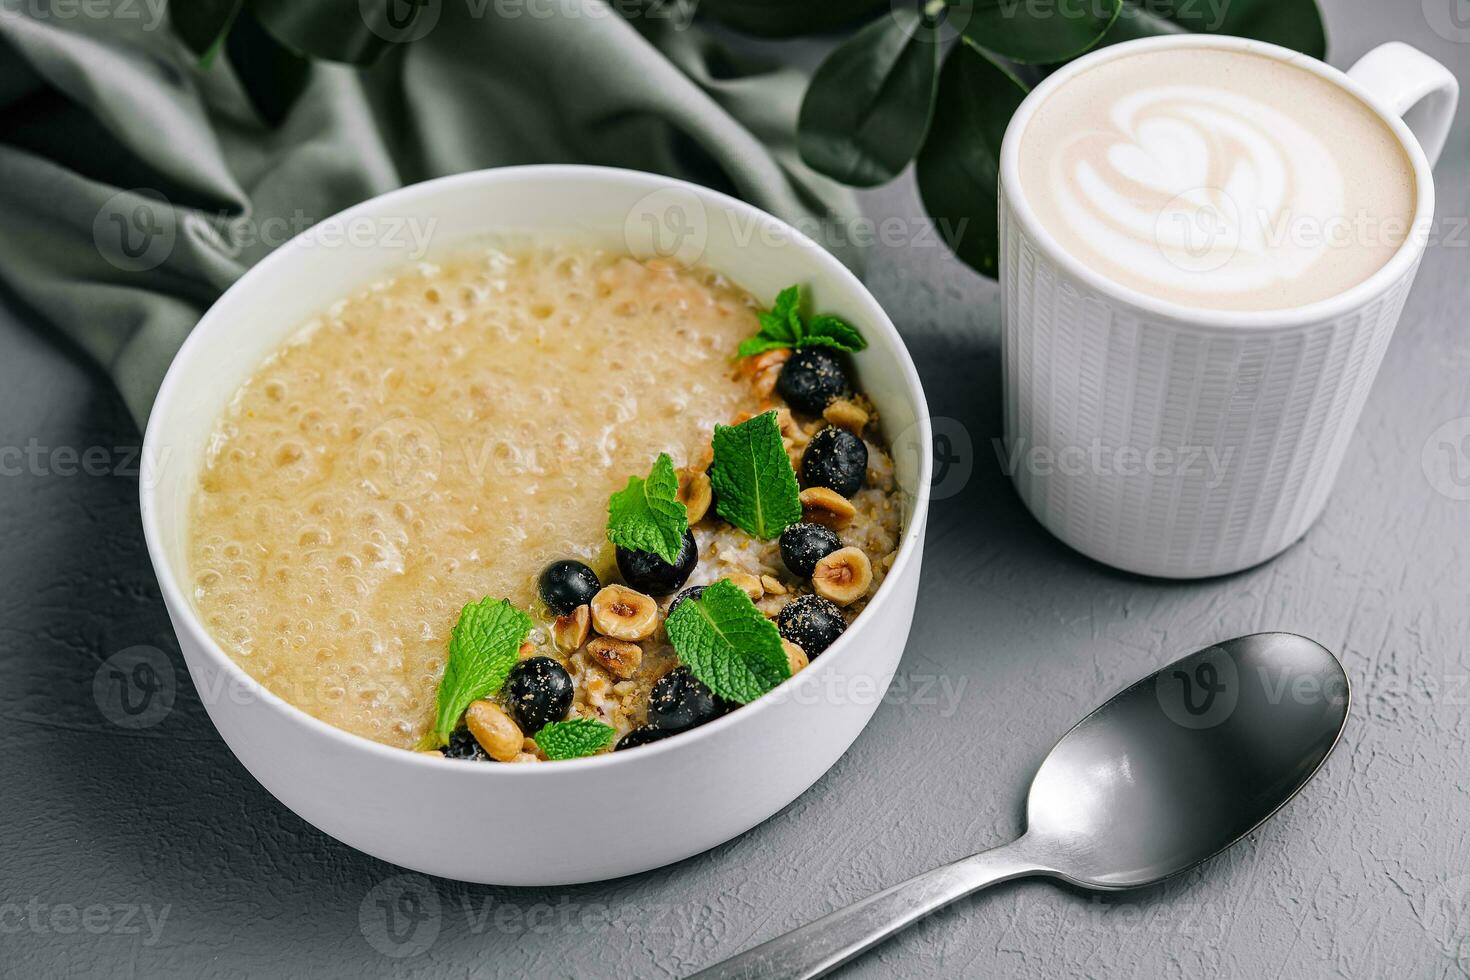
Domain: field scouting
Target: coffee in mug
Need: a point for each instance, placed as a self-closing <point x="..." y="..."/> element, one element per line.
<point x="1218" y="179"/>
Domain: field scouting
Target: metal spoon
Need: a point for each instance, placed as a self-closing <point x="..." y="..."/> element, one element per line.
<point x="1166" y="774"/>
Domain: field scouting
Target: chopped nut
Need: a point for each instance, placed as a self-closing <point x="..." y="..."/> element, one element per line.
<point x="772" y="585"/>
<point x="796" y="657"/>
<point x="570" y="631"/>
<point x="765" y="382"/>
<point x="497" y="734"/>
<point x="785" y="422"/>
<point x="749" y="584"/>
<point x="843" y="576"/>
<point x="624" y="614"/>
<point x="695" y="493"/>
<point x="527" y="650"/>
<point x="766" y="360"/>
<point x="619" y="657"/>
<point x="846" y="415"/>
<point x="822" y="505"/>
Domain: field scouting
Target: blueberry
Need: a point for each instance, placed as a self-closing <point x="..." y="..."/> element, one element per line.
<point x="641" y="736"/>
<point x="650" y="574"/>
<point x="679" y="701"/>
<point x="564" y="585"/>
<point x="693" y="592"/>
<point x="462" y="745"/>
<point x="803" y="545"/>
<point x="811" y="622"/>
<point x="811" y="378"/>
<point x="837" y="459"/>
<point x="539" y="691"/>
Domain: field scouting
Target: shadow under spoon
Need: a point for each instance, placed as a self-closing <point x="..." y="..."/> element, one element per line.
<point x="1169" y="772"/>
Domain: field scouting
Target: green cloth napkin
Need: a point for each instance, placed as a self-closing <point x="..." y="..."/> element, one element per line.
<point x="135" y="187"/>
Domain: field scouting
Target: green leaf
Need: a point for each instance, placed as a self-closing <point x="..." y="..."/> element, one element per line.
<point x="869" y="102"/>
<point x="574" y="738"/>
<point x="483" y="648"/>
<point x="272" y="75"/>
<point x="344" y="30"/>
<point x="203" y="24"/>
<point x="647" y="515"/>
<point x="755" y="486"/>
<point x="1038" y="31"/>
<point x="959" y="165"/>
<point x="786" y="18"/>
<point x="832" y="331"/>
<point x="781" y="325"/>
<point x="1295" y="24"/>
<point x="728" y="644"/>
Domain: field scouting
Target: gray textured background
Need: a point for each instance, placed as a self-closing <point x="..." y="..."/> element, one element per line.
<point x="151" y="852"/>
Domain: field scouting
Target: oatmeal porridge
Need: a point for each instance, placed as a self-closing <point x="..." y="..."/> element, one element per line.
<point x="525" y="504"/>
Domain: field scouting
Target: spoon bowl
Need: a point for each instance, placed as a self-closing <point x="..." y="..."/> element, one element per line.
<point x="1184" y="763"/>
<point x="1166" y="774"/>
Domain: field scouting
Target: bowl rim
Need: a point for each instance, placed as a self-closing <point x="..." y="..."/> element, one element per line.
<point x="186" y="617"/>
<point x="1206" y="319"/>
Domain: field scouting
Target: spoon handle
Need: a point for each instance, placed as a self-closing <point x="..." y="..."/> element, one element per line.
<point x="832" y="940"/>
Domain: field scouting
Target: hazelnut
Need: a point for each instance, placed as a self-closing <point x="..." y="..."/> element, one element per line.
<point x="825" y="506"/>
<point x="623" y="614"/>
<point x="497" y="734"/>
<point x="843" y="576"/>
<point x="846" y="415"/>
<point x="618" y="657"/>
<point x="796" y="658"/>
<point x="695" y="493"/>
<point x="570" y="631"/>
<point x="749" y="584"/>
<point x="772" y="585"/>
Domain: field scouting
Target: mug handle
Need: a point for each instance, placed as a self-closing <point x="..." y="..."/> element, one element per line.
<point x="1414" y="86"/>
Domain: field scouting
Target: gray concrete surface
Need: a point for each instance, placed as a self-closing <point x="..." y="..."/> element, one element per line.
<point x="150" y="852"/>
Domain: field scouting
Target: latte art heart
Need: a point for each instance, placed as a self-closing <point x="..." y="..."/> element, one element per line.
<point x="1217" y="179"/>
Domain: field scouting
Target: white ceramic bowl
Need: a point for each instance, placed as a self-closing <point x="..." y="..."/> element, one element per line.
<point x="564" y="822"/>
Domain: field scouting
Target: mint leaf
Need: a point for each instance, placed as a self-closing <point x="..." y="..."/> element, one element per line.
<point x="755" y="486"/>
<point x="574" y="738"/>
<point x="647" y="515"/>
<point x="728" y="644"/>
<point x="781" y="325"/>
<point x="832" y="331"/>
<point x="484" y="646"/>
<point x="758" y="344"/>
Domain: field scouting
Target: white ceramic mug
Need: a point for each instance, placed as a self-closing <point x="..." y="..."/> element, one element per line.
<point x="1233" y="424"/>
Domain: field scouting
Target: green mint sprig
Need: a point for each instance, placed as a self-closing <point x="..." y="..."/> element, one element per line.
<point x="574" y="738"/>
<point x="647" y="515"/>
<point x="728" y="644"/>
<point x="483" y="648"/>
<point x="782" y="326"/>
<point x="755" y="486"/>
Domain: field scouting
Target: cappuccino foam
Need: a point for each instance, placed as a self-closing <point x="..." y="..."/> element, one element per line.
<point x="1217" y="179"/>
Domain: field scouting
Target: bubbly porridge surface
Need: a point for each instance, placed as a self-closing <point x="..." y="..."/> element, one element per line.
<point x="436" y="438"/>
